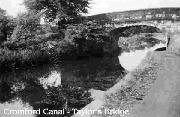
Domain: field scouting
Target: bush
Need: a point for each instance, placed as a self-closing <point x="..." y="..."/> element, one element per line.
<point x="27" y="25"/>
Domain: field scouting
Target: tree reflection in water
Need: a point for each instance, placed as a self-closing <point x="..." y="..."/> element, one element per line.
<point x="61" y="85"/>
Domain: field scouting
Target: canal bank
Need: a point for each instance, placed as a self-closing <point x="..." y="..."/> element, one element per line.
<point x="132" y="88"/>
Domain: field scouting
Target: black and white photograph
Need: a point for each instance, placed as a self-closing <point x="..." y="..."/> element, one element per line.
<point x="89" y="58"/>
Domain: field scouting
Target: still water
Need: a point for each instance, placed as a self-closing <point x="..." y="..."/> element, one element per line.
<point x="62" y="86"/>
<point x="130" y="60"/>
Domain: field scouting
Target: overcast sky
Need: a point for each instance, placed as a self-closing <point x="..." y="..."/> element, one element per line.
<point x="12" y="6"/>
<point x="99" y="6"/>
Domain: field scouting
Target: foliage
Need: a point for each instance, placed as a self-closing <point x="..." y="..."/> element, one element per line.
<point x="134" y="37"/>
<point x="90" y="40"/>
<point x="33" y="52"/>
<point x="7" y="25"/>
<point x="2" y="12"/>
<point x="136" y="42"/>
<point x="58" y="8"/>
<point x="27" y="25"/>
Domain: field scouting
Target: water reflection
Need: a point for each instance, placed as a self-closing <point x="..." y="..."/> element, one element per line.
<point x="130" y="60"/>
<point x="5" y="92"/>
<point x="16" y="108"/>
<point x="53" y="80"/>
<point x="63" y="85"/>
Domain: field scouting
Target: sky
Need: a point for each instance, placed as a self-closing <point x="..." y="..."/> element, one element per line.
<point x="13" y="7"/>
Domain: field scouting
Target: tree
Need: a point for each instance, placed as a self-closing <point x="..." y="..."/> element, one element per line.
<point x="2" y="12"/>
<point x="3" y="34"/>
<point x="61" y="9"/>
<point x="27" y="25"/>
<point x="7" y="25"/>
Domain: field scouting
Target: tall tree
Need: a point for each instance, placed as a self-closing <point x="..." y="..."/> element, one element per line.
<point x="60" y="9"/>
<point x="2" y="12"/>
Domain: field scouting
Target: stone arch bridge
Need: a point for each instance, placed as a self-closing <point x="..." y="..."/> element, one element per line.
<point x="167" y="28"/>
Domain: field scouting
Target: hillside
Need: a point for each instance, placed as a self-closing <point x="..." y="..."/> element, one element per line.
<point x="140" y="15"/>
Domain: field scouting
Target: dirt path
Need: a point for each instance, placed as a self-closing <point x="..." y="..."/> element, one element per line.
<point x="163" y="99"/>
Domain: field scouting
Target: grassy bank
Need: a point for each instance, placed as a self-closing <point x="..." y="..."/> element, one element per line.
<point x="133" y="87"/>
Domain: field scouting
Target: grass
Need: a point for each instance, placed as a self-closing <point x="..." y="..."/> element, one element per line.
<point x="12" y="59"/>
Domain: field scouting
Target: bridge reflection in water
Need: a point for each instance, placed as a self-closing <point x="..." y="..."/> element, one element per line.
<point x="130" y="60"/>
